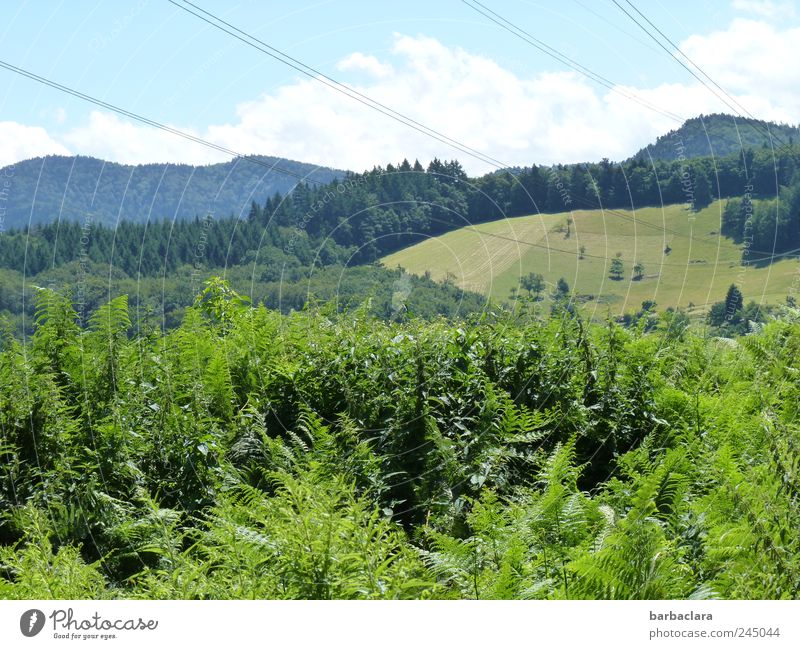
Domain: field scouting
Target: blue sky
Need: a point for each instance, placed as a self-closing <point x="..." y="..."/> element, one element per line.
<point x="439" y="62"/>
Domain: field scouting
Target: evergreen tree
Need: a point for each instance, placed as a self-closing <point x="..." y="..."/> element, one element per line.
<point x="702" y="190"/>
<point x="734" y="302"/>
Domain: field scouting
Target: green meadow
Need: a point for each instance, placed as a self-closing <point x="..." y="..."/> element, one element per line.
<point x="687" y="263"/>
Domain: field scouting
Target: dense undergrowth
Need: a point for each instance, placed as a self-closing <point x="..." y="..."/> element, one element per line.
<point x="249" y="454"/>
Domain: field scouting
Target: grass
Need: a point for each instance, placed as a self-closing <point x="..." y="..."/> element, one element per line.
<point x="490" y="258"/>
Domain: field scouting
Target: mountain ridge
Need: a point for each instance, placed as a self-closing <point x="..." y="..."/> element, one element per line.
<point x="80" y="188"/>
<point x="718" y="134"/>
<point x="49" y="188"/>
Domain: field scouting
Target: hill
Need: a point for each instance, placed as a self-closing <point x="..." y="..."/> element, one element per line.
<point x="69" y="187"/>
<point x="718" y="135"/>
<point x="365" y="217"/>
<point x="700" y="265"/>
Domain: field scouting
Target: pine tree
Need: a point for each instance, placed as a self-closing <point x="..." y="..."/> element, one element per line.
<point x="734" y="303"/>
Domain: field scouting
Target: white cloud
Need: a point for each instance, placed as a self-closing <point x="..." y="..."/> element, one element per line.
<point x="552" y="117"/>
<point x="110" y="137"/>
<point x="21" y="142"/>
<point x="364" y="63"/>
<point x="751" y="59"/>
<point x="549" y="117"/>
<point x="765" y="8"/>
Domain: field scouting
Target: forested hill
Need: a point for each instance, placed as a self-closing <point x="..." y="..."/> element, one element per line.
<point x="70" y="187"/>
<point x="718" y="135"/>
<point x="361" y="217"/>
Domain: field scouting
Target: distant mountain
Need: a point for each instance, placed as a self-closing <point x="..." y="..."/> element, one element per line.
<point x="41" y="190"/>
<point x="718" y="135"/>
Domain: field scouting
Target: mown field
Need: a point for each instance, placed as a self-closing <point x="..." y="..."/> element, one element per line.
<point x="490" y="258"/>
<point x="250" y="454"/>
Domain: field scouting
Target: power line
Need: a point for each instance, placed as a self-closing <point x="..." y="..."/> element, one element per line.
<point x="315" y="74"/>
<point x="563" y="58"/>
<point x="755" y="124"/>
<point x="150" y="122"/>
<point x="630" y="35"/>
<point x="553" y="53"/>
<point x="201" y="141"/>
<point x="235" y="154"/>
<point x="681" y="63"/>
<point x="684" y="55"/>
<point x="732" y="104"/>
<point x="273" y="52"/>
<point x="512" y="28"/>
<point x="183" y="134"/>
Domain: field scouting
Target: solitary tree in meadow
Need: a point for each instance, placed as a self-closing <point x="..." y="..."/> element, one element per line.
<point x="734" y="302"/>
<point x="617" y="269"/>
<point x="533" y="283"/>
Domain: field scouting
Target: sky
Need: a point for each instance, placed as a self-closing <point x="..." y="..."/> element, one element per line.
<point x="438" y="62"/>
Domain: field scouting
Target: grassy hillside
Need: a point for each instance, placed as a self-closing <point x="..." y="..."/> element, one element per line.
<point x="492" y="257"/>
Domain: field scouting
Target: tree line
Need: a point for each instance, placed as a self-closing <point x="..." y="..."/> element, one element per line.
<point x="361" y="217"/>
